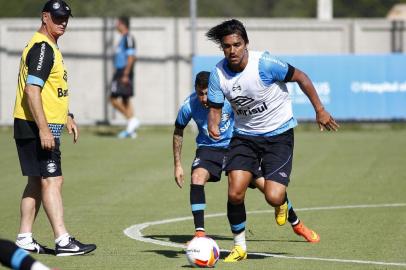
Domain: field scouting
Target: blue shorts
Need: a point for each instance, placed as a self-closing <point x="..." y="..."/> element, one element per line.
<point x="270" y="157"/>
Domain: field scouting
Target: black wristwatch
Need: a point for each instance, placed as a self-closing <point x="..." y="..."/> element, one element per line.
<point x="71" y="115"/>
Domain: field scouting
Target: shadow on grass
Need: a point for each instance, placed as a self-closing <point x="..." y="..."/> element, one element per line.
<point x="105" y="133"/>
<point x="172" y="254"/>
<point x="183" y="238"/>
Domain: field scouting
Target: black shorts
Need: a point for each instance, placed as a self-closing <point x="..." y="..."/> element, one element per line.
<point x="273" y="155"/>
<point x="35" y="161"/>
<point x="212" y="159"/>
<point x="118" y="89"/>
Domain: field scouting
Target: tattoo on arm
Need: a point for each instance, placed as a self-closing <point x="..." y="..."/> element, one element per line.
<point x="177" y="146"/>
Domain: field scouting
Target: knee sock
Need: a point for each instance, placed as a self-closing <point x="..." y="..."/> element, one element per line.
<point x="198" y="204"/>
<point x="292" y="217"/>
<point x="237" y="217"/>
<point x="132" y="124"/>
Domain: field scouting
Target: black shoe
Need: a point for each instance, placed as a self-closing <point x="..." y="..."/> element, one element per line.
<point x="34" y="247"/>
<point x="74" y="247"/>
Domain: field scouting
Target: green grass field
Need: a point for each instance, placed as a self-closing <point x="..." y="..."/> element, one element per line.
<point x="113" y="184"/>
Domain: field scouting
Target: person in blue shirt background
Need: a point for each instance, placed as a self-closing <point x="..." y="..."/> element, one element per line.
<point x="122" y="86"/>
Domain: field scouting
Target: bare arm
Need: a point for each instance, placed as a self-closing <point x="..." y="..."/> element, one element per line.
<point x="323" y="117"/>
<point x="34" y="100"/>
<point x="130" y="63"/>
<point x="177" y="152"/>
<point x="72" y="128"/>
<point x="213" y="122"/>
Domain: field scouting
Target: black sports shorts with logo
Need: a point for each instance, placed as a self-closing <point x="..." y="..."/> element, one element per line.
<point x="35" y="161"/>
<point x="118" y="89"/>
<point x="212" y="159"/>
<point x="272" y="154"/>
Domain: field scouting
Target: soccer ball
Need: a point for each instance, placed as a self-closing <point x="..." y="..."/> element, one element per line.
<point x="202" y="252"/>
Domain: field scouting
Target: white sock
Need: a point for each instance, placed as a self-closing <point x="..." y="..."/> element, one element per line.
<point x="24" y="238"/>
<point x="39" y="266"/>
<point x="62" y="240"/>
<point x="239" y="240"/>
<point x="132" y="125"/>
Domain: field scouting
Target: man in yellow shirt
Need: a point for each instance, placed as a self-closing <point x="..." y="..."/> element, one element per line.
<point x="40" y="113"/>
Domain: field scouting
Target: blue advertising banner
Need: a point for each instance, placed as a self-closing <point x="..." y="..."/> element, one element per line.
<point x="351" y="87"/>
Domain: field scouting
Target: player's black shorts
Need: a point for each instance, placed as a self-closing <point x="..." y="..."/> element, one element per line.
<point x="35" y="161"/>
<point x="272" y="154"/>
<point x="118" y="89"/>
<point x="212" y="159"/>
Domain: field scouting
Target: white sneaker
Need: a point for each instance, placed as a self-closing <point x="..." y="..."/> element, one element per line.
<point x="32" y="246"/>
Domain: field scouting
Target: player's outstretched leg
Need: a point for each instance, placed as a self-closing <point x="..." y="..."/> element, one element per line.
<point x="299" y="228"/>
<point x="198" y="205"/>
<point x="237" y="217"/>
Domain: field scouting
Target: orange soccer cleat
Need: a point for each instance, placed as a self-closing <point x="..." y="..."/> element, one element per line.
<point x="310" y="235"/>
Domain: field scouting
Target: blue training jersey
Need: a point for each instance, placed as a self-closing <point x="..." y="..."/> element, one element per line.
<point x="193" y="109"/>
<point x="258" y="95"/>
<point x="125" y="48"/>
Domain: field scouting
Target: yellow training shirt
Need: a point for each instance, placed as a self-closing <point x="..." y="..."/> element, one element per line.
<point x="42" y="65"/>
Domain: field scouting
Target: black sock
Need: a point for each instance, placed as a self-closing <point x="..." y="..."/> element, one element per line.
<point x="236" y="217"/>
<point x="292" y="217"/>
<point x="198" y="204"/>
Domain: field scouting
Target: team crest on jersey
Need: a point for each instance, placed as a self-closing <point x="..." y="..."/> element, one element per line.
<point x="242" y="100"/>
<point x="196" y="162"/>
<point x="51" y="166"/>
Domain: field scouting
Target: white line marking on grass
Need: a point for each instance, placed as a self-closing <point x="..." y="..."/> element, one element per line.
<point x="135" y="232"/>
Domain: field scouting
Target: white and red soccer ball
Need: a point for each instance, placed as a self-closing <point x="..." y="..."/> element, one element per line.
<point x="202" y="252"/>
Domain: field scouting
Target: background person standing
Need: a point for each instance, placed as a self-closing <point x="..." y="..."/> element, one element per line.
<point x="122" y="86"/>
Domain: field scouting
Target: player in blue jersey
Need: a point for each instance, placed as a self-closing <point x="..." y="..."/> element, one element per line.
<point x="122" y="86"/>
<point x="210" y="155"/>
<point x="255" y="85"/>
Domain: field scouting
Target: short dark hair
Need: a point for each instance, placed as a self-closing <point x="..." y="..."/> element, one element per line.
<point x="233" y="26"/>
<point x="125" y="20"/>
<point x="202" y="79"/>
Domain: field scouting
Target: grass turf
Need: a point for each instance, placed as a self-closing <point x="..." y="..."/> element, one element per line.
<point x="111" y="184"/>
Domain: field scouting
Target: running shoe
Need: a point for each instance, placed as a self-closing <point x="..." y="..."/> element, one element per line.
<point x="308" y="234"/>
<point x="281" y="214"/>
<point x="236" y="254"/>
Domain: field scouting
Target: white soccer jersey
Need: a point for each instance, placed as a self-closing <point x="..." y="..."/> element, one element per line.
<point x="258" y="94"/>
